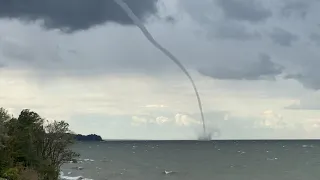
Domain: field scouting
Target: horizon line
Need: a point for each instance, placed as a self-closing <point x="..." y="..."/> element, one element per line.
<point x="283" y="139"/>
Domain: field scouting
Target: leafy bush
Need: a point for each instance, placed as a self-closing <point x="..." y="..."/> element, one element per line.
<point x="12" y="174"/>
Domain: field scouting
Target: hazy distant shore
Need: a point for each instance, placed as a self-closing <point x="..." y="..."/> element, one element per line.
<point x="90" y="137"/>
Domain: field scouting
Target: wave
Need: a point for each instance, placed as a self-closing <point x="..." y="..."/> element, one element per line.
<point x="63" y="177"/>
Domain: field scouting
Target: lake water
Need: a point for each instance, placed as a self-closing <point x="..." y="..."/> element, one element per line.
<point x="193" y="160"/>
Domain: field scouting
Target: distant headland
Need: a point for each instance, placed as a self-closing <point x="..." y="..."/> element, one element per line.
<point x="90" y="137"/>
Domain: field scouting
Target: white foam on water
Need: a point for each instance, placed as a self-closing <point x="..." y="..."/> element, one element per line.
<point x="307" y="146"/>
<point x="169" y="172"/>
<point x="63" y="177"/>
<point x="91" y="160"/>
<point x="272" y="159"/>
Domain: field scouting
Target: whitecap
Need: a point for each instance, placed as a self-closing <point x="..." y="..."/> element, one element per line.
<point x="307" y="146"/>
<point x="63" y="177"/>
<point x="91" y="160"/>
<point x="169" y="172"/>
<point x="272" y="159"/>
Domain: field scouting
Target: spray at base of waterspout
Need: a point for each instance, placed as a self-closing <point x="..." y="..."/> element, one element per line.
<point x="209" y="135"/>
<point x="205" y="137"/>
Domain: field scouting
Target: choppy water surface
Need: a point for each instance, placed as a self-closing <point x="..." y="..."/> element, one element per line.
<point x="192" y="160"/>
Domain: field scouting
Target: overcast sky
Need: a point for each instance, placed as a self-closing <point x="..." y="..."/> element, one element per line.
<point x="255" y="62"/>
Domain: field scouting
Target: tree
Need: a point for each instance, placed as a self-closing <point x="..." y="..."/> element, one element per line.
<point x="56" y="143"/>
<point x="4" y="156"/>
<point x="25" y="136"/>
<point x="29" y="146"/>
<point x="4" y="117"/>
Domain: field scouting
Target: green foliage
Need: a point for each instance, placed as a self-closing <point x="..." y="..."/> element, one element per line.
<point x="26" y="143"/>
<point x="4" y="117"/>
<point x="12" y="174"/>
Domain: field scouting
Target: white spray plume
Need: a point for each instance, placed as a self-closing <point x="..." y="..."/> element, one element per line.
<point x="146" y="33"/>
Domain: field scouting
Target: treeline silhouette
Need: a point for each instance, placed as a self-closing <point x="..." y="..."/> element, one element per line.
<point x="90" y="137"/>
<point x="32" y="148"/>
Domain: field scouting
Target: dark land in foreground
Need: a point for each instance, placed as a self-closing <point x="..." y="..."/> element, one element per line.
<point x="32" y="148"/>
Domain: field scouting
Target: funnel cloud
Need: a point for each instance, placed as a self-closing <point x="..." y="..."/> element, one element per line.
<point x="146" y="33"/>
<point x="256" y="63"/>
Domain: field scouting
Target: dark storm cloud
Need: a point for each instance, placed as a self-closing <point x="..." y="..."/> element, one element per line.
<point x="283" y="37"/>
<point x="49" y="59"/>
<point x="72" y="15"/>
<point x="299" y="8"/>
<point x="315" y="38"/>
<point x="262" y="69"/>
<point x="15" y="51"/>
<point x="2" y="65"/>
<point x="171" y="19"/>
<point x="309" y="79"/>
<point x="236" y="32"/>
<point x="244" y="10"/>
